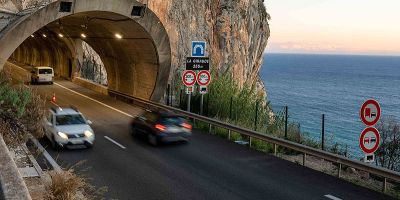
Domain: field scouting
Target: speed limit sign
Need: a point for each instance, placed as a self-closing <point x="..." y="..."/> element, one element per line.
<point x="189" y="77"/>
<point x="203" y="78"/>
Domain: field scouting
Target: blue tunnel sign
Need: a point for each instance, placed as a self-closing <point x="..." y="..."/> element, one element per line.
<point x="198" y="49"/>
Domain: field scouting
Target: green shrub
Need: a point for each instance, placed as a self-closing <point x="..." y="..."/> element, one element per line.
<point x="20" y="112"/>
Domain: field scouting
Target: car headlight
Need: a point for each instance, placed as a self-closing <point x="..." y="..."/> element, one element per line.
<point x="63" y="135"/>
<point x="88" y="133"/>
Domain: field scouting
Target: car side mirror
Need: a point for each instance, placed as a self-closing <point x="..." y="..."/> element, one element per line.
<point x="89" y="122"/>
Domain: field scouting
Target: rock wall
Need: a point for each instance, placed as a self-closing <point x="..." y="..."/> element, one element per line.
<point x="236" y="32"/>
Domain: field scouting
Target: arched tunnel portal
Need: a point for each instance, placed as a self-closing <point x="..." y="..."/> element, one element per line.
<point x="134" y="47"/>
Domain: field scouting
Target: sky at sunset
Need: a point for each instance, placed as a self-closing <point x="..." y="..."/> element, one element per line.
<point x="334" y="26"/>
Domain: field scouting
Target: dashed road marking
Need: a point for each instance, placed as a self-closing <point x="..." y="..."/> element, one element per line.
<point x="329" y="196"/>
<point x="116" y="143"/>
<point x="101" y="103"/>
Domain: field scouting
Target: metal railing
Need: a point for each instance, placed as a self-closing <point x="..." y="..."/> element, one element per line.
<point x="305" y="150"/>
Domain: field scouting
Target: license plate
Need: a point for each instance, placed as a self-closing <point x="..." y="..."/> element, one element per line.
<point x="174" y="130"/>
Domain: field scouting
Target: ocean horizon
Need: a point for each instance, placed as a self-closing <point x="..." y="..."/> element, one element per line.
<point x="334" y="85"/>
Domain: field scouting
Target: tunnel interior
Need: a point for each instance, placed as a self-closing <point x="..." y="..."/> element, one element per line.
<point x="126" y="48"/>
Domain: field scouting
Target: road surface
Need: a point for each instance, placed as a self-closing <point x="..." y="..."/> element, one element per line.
<point x="207" y="167"/>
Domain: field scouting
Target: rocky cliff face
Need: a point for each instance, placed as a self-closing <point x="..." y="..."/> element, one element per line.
<point x="236" y="32"/>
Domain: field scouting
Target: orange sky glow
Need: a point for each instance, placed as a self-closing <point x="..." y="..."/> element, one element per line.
<point x="334" y="26"/>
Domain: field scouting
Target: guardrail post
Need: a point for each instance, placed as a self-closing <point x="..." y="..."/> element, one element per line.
<point x="275" y="149"/>
<point x="229" y="134"/>
<point x="250" y="142"/>
<point x="304" y="159"/>
<point x="339" y="170"/>
<point x="209" y="128"/>
<point x="384" y="185"/>
<point x="230" y="108"/>
<point x="286" y="122"/>
<point x="256" y="117"/>
<point x="323" y="133"/>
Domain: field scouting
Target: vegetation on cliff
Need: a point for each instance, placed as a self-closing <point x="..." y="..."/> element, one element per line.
<point x="21" y="111"/>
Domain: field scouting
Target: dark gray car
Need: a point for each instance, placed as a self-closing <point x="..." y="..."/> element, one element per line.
<point x="160" y="126"/>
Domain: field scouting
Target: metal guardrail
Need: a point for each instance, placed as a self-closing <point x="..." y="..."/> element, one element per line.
<point x="338" y="159"/>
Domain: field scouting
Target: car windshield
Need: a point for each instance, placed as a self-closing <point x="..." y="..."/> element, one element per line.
<point x="45" y="71"/>
<point x="69" y="120"/>
<point x="172" y="120"/>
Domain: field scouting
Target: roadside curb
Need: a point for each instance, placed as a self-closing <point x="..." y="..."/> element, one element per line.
<point x="48" y="157"/>
<point x="12" y="183"/>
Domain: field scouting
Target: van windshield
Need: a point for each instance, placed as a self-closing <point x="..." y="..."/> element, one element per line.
<point x="45" y="71"/>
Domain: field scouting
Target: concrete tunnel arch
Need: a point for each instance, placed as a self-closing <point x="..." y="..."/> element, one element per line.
<point x="138" y="65"/>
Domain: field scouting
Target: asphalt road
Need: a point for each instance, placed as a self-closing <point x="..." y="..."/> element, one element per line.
<point x="207" y="167"/>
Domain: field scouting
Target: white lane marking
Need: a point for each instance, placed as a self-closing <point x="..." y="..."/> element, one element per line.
<point x="332" y="197"/>
<point x="112" y="108"/>
<point x="113" y="141"/>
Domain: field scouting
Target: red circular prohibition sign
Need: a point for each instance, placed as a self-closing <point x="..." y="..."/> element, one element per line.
<point x="362" y="140"/>
<point x="186" y="81"/>
<point x="207" y="73"/>
<point x="363" y="108"/>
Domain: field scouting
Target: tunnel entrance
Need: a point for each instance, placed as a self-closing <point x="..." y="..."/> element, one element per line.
<point x="133" y="46"/>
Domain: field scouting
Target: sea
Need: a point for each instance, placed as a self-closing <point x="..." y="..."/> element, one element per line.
<point x="333" y="85"/>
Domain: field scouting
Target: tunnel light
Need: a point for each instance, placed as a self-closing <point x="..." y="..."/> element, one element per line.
<point x="118" y="36"/>
<point x="44" y="35"/>
<point x="32" y="36"/>
<point x="83" y="35"/>
<point x="60" y="35"/>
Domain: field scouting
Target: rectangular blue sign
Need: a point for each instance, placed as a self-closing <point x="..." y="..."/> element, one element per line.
<point x="198" y="49"/>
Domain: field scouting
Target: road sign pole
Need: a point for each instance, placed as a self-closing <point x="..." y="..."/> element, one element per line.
<point x="201" y="104"/>
<point x="188" y="102"/>
<point x="180" y="99"/>
<point x="323" y="132"/>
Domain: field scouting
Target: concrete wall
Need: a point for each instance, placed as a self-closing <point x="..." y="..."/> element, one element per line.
<point x="17" y="73"/>
<point x="90" y="85"/>
<point x="12" y="183"/>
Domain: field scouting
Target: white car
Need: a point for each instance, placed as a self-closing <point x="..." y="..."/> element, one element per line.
<point x="66" y="127"/>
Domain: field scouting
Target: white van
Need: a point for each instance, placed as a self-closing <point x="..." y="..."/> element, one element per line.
<point x="42" y="75"/>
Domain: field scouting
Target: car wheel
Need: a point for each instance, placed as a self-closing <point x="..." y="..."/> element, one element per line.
<point x="133" y="131"/>
<point x="54" y="144"/>
<point x="152" y="139"/>
<point x="88" y="145"/>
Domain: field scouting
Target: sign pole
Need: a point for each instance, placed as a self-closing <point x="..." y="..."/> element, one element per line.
<point x="188" y="102"/>
<point x="201" y="104"/>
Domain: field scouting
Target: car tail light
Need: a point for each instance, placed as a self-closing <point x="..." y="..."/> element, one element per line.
<point x="186" y="125"/>
<point x="160" y="127"/>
